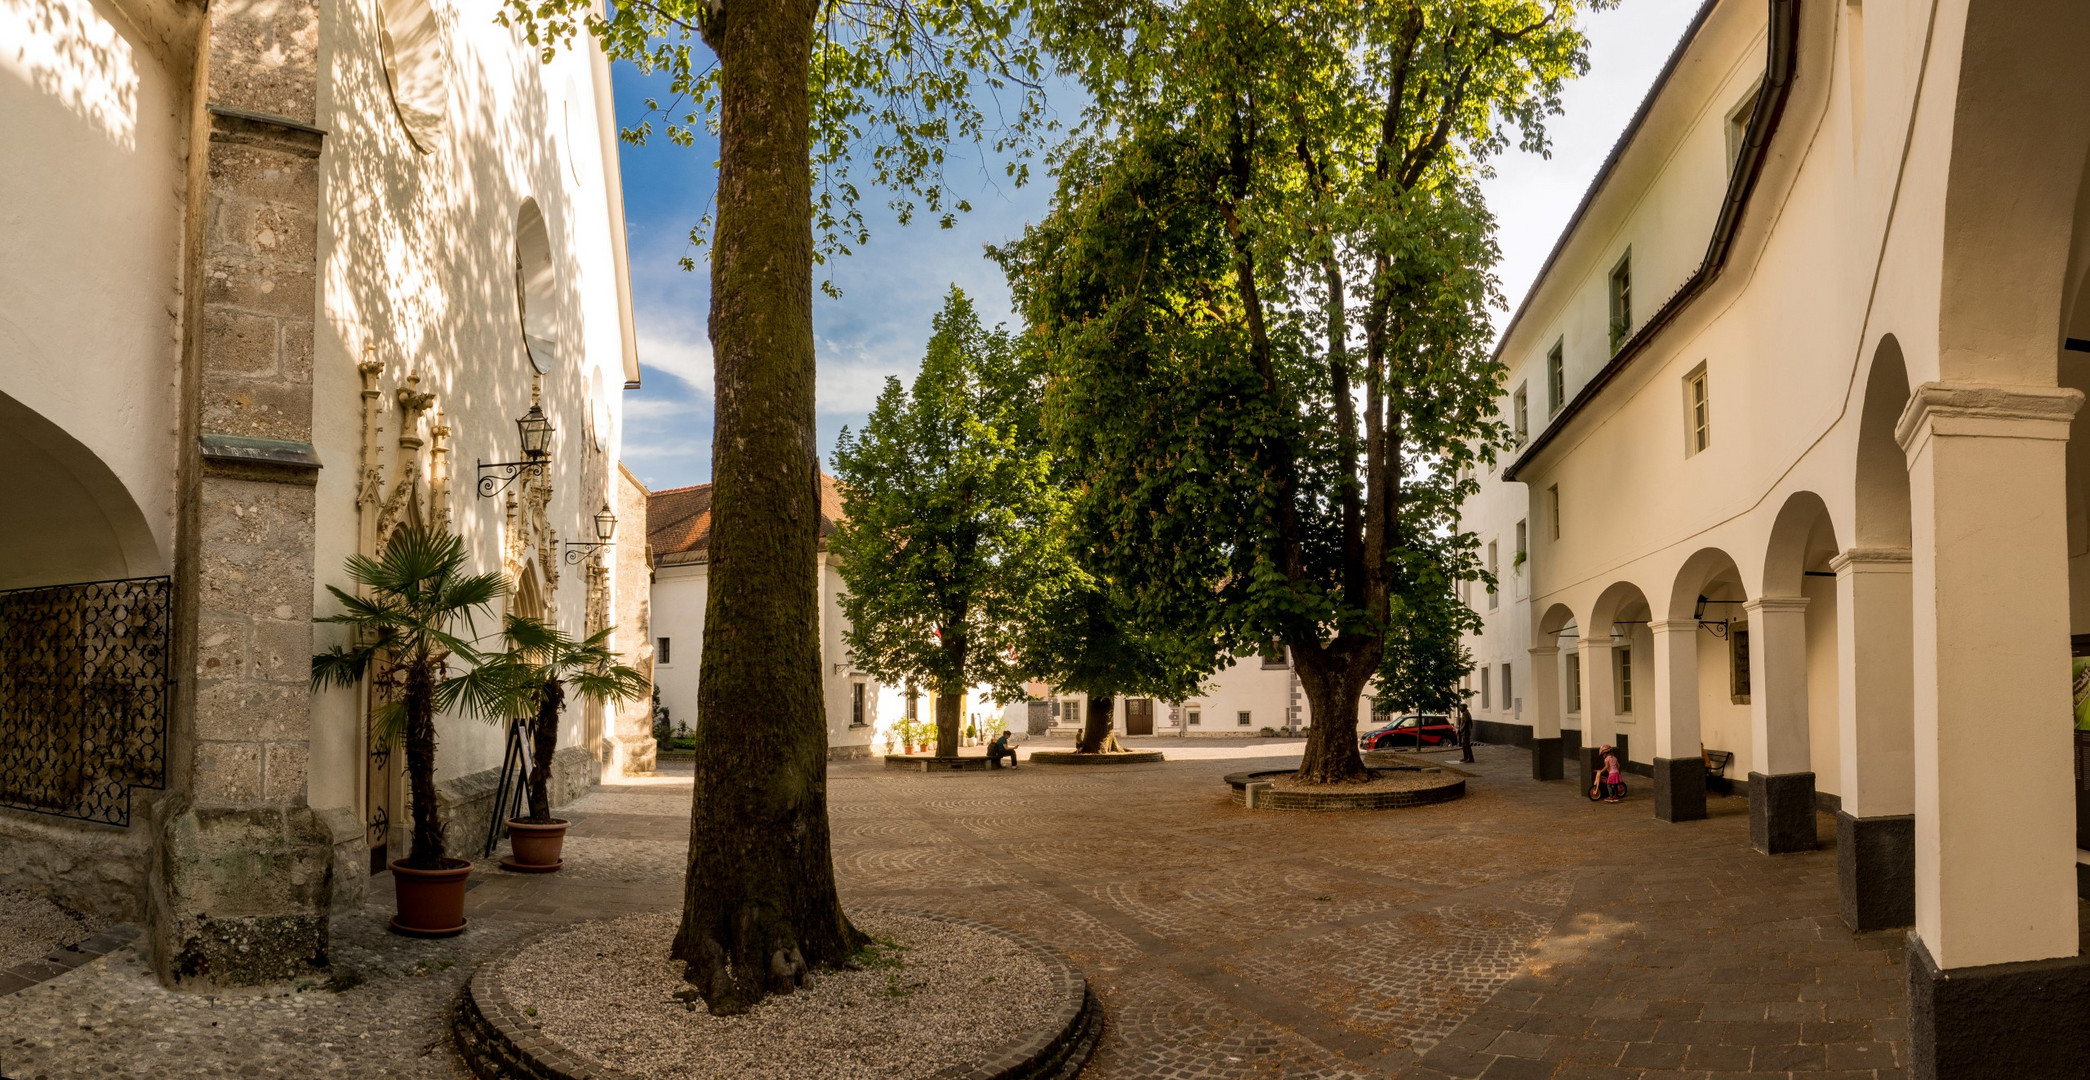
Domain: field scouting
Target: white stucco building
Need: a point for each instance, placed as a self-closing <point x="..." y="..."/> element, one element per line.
<point x="1803" y="478"/>
<point x="277" y="279"/>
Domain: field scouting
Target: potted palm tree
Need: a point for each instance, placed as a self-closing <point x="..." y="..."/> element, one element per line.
<point x="552" y="666"/>
<point x="411" y="635"/>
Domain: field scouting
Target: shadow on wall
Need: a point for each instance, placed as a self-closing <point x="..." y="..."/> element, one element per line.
<point x="67" y="516"/>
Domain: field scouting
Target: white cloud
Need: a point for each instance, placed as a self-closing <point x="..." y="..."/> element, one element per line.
<point x="673" y="350"/>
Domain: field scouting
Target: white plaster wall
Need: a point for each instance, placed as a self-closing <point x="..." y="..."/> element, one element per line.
<point x="1823" y="751"/>
<point x="417" y="256"/>
<point x="678" y="614"/>
<point x="93" y="113"/>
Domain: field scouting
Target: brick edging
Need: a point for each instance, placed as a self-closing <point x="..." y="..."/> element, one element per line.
<point x="1075" y="757"/>
<point x="498" y="1042"/>
<point x="1342" y="800"/>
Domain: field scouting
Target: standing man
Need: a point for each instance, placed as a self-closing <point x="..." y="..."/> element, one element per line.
<point x="1465" y="732"/>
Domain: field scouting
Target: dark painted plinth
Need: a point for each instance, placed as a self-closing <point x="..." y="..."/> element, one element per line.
<point x="1680" y="788"/>
<point x="1781" y="812"/>
<point x="1876" y="871"/>
<point x="1570" y="744"/>
<point x="1545" y="759"/>
<point x="2021" y="1021"/>
<point x="1499" y="734"/>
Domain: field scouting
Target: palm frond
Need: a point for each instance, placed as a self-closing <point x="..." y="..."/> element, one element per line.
<point x="340" y="666"/>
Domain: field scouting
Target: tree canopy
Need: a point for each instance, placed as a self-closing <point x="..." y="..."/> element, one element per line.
<point x="949" y="536"/>
<point x="1264" y="289"/>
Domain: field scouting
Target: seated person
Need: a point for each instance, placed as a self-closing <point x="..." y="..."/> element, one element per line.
<point x="999" y="749"/>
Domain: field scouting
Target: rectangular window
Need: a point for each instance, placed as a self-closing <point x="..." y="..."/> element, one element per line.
<point x="1622" y="300"/>
<point x="1520" y="414"/>
<point x="1738" y="123"/>
<point x="1494" y="575"/>
<point x="1523" y="547"/>
<point x="1738" y="653"/>
<point x="1070" y="711"/>
<point x="1698" y="412"/>
<point x="1625" y="679"/>
<point x="856" y="704"/>
<point x="1193" y="717"/>
<point x="660" y="652"/>
<point x="1574" y="682"/>
<point x="1556" y="377"/>
<point x="1509" y="693"/>
<point x="1241" y="718"/>
<point x="1553" y="510"/>
<point x="1273" y="656"/>
<point x="1484" y="689"/>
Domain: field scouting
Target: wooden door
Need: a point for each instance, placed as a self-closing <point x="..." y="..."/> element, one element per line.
<point x="1139" y="716"/>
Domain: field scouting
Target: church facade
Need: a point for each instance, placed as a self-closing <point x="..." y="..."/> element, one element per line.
<point x="281" y="279"/>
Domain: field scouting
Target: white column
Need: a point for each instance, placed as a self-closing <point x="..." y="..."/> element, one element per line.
<point x="1545" y="692"/>
<point x="1599" y="688"/>
<point x="1995" y="843"/>
<point x="1676" y="688"/>
<point x="1778" y="684"/>
<point x="1875" y="685"/>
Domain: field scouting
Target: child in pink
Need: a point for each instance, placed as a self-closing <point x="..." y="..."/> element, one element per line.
<point x="1613" y="782"/>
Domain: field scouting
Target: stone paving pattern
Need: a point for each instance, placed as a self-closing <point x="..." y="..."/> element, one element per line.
<point x="1519" y="932"/>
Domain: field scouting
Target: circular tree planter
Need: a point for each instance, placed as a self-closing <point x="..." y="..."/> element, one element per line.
<point x="535" y="847"/>
<point x="1072" y="757"/>
<point x="1424" y="786"/>
<point x="936" y="764"/>
<point x="500" y="1038"/>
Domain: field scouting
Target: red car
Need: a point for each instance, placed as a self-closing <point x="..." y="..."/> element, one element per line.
<point x="1413" y="732"/>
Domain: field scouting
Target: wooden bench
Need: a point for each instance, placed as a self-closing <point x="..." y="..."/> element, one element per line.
<point x="1716" y="763"/>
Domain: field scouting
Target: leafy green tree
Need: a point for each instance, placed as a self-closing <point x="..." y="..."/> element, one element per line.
<point x="1086" y="640"/>
<point x="1426" y="657"/>
<point x="410" y="632"/>
<point x="1264" y="287"/>
<point x="552" y="665"/>
<point x="949" y="518"/>
<point x="797" y="92"/>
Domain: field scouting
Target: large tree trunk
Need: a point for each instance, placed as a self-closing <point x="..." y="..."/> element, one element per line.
<point x="427" y="852"/>
<point x="1095" y="725"/>
<point x="1332" y="692"/>
<point x="759" y="907"/>
<point x="544" y="742"/>
<point x="947" y="705"/>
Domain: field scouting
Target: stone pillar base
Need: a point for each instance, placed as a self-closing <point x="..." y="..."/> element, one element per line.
<point x="1781" y="812"/>
<point x="241" y="896"/>
<point x="1876" y="871"/>
<point x="2023" y="1021"/>
<point x="1545" y="759"/>
<point x="1591" y="755"/>
<point x="1680" y="789"/>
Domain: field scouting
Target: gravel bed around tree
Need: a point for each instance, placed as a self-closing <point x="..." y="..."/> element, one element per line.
<point x="31" y="926"/>
<point x="1382" y="780"/>
<point x="931" y="994"/>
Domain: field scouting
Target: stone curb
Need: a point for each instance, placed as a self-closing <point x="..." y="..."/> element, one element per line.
<point x="57" y="962"/>
<point x="1070" y="757"/>
<point x="961" y="763"/>
<point x="1274" y="799"/>
<point x="498" y="1042"/>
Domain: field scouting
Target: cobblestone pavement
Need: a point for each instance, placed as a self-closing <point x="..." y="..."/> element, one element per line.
<point x="1520" y="932"/>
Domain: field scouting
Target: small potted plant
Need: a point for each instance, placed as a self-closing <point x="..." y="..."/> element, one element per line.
<point x="409" y="635"/>
<point x="549" y="666"/>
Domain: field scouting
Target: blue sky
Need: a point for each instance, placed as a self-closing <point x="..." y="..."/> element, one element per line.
<point x="892" y="286"/>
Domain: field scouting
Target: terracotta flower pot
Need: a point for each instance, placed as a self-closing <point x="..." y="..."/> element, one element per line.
<point x="431" y="902"/>
<point x="535" y="848"/>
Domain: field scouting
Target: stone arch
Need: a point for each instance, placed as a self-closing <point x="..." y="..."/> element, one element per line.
<point x="74" y="519"/>
<point x="1803" y="542"/>
<point x="1882" y="470"/>
<point x="1616" y="649"/>
<point x="2014" y="189"/>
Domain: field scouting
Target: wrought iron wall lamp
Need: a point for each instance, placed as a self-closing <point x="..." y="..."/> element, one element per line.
<point x="605" y="532"/>
<point x="536" y="433"/>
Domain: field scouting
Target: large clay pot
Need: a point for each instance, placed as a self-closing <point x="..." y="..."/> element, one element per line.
<point x="431" y="902"/>
<point x="535" y="847"/>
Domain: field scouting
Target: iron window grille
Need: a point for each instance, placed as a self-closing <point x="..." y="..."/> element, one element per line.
<point x="86" y="679"/>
